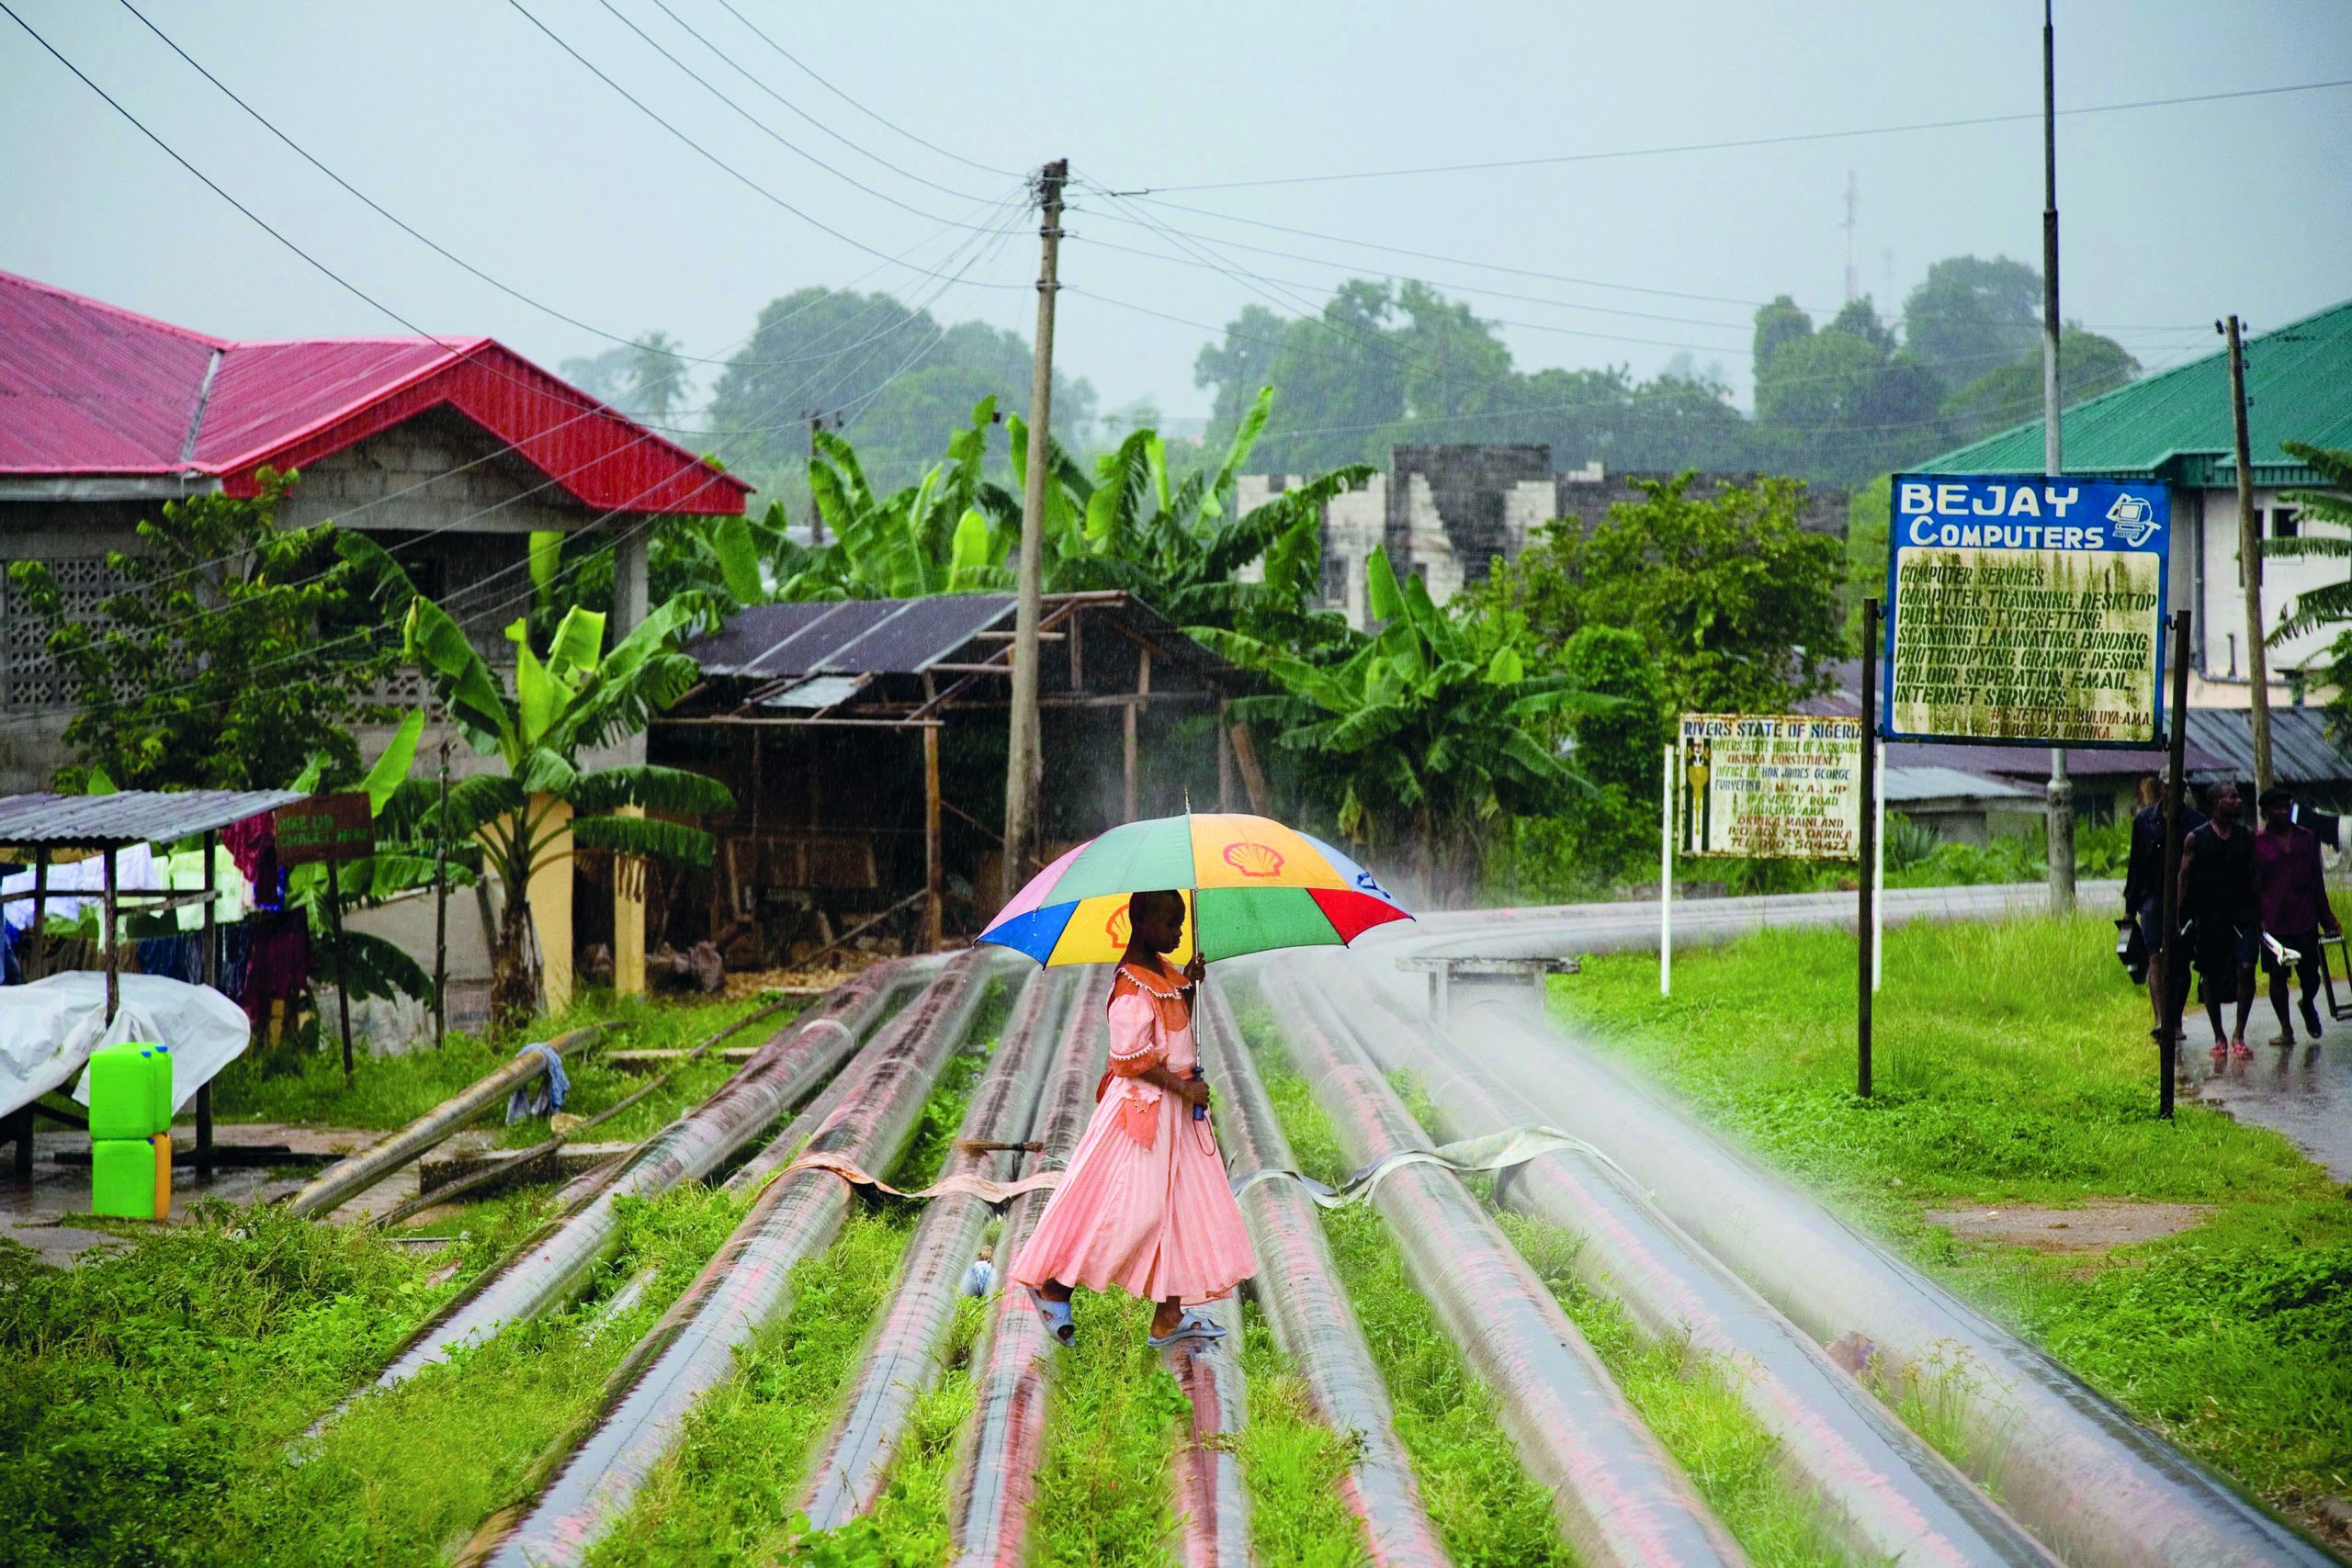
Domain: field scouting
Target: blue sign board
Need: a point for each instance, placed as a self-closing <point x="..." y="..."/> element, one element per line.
<point x="2025" y="611"/>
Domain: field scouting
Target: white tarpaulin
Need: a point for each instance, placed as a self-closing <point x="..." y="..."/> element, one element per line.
<point x="49" y="1029"/>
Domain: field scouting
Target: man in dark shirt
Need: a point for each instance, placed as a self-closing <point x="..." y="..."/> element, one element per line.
<point x="2219" y="908"/>
<point x="2143" y="893"/>
<point x="2293" y="898"/>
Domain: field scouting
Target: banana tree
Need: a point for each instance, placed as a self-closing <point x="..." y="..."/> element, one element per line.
<point x="1425" y="731"/>
<point x="579" y="697"/>
<point x="947" y="534"/>
<point x="1184" y="546"/>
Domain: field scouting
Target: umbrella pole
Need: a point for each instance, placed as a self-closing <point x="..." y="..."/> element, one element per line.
<point x="106" y="939"/>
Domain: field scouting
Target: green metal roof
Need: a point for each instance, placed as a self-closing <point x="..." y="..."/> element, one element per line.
<point x="2174" y="427"/>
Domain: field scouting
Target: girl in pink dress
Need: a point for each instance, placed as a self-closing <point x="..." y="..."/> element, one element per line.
<point x="1145" y="1204"/>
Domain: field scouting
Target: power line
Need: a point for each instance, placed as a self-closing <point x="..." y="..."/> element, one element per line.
<point x="863" y="151"/>
<point x="1780" y="141"/>
<point x="1491" y="267"/>
<point x="705" y="152"/>
<point x="821" y="81"/>
<point x="755" y="122"/>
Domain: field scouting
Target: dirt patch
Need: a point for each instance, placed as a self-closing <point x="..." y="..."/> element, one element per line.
<point x="2090" y="1228"/>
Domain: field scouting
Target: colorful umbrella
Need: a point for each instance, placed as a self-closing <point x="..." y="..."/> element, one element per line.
<point x="1250" y="884"/>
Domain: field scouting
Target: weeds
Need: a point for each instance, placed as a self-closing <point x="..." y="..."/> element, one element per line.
<point x="1102" y="1490"/>
<point x="1292" y="1465"/>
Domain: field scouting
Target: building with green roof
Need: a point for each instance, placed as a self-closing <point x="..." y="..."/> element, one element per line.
<point x="2173" y="428"/>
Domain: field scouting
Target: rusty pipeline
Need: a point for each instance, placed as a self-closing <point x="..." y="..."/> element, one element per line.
<point x="903" y="1358"/>
<point x="593" y="1477"/>
<point x="996" y="1467"/>
<point x="1618" y="1497"/>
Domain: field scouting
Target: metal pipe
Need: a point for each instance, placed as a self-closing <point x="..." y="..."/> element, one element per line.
<point x="558" y="1261"/>
<point x="1618" y="1497"/>
<point x="903" y="1358"/>
<point x="1297" y="1287"/>
<point x="1888" y="1496"/>
<point x="996" y="1470"/>
<point x="1212" y="1503"/>
<point x="593" y="1478"/>
<point x="2099" y="1490"/>
<point x="357" y="1173"/>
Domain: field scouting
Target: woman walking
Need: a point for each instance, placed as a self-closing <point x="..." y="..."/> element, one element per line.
<point x="1145" y="1205"/>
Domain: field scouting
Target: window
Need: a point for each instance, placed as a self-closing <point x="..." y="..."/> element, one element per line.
<point x="2284" y="523"/>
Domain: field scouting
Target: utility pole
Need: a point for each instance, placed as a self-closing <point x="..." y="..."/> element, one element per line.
<point x="2258" y="659"/>
<point x="815" y="420"/>
<point x="1853" y="278"/>
<point x="1024" y="761"/>
<point x="2061" y="788"/>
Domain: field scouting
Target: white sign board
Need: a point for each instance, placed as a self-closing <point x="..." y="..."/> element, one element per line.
<point x="1771" y="786"/>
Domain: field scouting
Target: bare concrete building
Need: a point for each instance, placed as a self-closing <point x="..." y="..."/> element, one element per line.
<point x="1446" y="512"/>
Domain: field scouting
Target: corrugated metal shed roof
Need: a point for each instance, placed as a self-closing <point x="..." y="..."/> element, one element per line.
<point x="2175" y="426"/>
<point x="1907" y="784"/>
<point x="86" y="388"/>
<point x="850" y="636"/>
<point x="2300" y="752"/>
<point x="130" y="817"/>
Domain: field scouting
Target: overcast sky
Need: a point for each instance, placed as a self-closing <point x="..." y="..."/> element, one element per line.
<point x="473" y="125"/>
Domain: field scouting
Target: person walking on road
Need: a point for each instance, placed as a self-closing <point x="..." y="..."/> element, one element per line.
<point x="1145" y="1204"/>
<point x="2292" y="893"/>
<point x="2144" y="896"/>
<point x="2222" y="914"/>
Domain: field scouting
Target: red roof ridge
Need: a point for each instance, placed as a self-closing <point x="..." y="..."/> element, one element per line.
<point x="20" y="280"/>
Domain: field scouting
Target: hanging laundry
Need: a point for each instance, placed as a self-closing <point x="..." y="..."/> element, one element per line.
<point x="83" y="883"/>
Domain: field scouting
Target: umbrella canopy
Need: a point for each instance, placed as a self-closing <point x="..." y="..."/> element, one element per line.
<point x="1250" y="884"/>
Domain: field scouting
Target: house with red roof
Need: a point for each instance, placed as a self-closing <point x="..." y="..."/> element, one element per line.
<point x="450" y="452"/>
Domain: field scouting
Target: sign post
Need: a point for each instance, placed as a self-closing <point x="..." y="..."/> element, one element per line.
<point x="1866" y="918"/>
<point x="330" y="830"/>
<point x="1665" y="880"/>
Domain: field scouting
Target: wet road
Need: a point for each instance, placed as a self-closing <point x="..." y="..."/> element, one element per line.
<point x="2304" y="1091"/>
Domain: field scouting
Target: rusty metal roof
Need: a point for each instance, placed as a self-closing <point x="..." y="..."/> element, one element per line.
<point x="130" y="817"/>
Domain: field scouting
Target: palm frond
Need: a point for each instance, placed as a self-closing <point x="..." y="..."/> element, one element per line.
<point x="652" y="787"/>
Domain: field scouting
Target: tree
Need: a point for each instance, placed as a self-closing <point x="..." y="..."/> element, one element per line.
<point x="1778" y="323"/>
<point x="894" y="373"/>
<point x="1735" y="599"/>
<point x="1844" y="402"/>
<point x="2088" y="365"/>
<point x="576" y="697"/>
<point x="947" y="534"/>
<point x="1424" y="732"/>
<point x="2330" y="604"/>
<point x="235" y="649"/>
<point x="658" y="379"/>
<point x="1969" y="315"/>
<point x="1180" y="546"/>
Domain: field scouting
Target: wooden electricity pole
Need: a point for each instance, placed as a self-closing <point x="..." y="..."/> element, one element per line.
<point x="1024" y="761"/>
<point x="2257" y="661"/>
<point x="2060" y="818"/>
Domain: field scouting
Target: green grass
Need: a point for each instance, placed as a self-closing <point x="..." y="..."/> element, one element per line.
<point x="729" y="1492"/>
<point x="147" y="1400"/>
<point x="1690" y="1404"/>
<point x="2013" y="1066"/>
<point x="1118" y="1417"/>
<point x="726" y="1494"/>
<point x="281" y="1085"/>
<point x="1486" y="1510"/>
<point x="1292" y="1465"/>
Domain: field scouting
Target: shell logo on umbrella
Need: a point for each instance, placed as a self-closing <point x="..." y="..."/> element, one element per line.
<point x="1252" y="859"/>
<point x="1252" y="883"/>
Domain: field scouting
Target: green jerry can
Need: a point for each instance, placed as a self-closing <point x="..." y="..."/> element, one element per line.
<point x="123" y="1095"/>
<point x="122" y="1178"/>
<point x="160" y="1061"/>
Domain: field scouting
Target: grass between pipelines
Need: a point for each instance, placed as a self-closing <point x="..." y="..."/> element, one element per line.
<point x="2012" y="1066"/>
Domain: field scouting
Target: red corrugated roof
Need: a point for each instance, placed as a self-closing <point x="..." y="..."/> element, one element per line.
<point x="87" y="388"/>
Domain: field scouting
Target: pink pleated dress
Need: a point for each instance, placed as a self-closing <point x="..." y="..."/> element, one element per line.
<point x="1145" y="1204"/>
